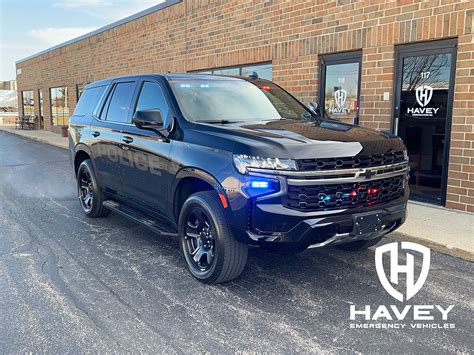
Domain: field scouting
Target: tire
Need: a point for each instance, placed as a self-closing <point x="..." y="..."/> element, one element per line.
<point x="211" y="252"/>
<point x="90" y="194"/>
<point x="360" y="244"/>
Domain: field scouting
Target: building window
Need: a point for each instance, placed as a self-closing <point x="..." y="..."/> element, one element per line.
<point x="79" y="91"/>
<point x="340" y="83"/>
<point x="28" y="103"/>
<point x="264" y="71"/>
<point x="59" y="106"/>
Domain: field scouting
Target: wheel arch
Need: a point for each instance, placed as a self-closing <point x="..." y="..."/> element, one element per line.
<point x="82" y="152"/>
<point x="189" y="181"/>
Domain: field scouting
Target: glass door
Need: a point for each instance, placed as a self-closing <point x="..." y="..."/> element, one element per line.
<point x="423" y="104"/>
<point x="340" y="86"/>
<point x="40" y="117"/>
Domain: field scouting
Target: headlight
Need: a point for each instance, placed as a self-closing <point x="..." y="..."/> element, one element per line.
<point x="242" y="162"/>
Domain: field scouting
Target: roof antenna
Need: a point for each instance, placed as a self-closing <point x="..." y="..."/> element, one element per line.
<point x="253" y="75"/>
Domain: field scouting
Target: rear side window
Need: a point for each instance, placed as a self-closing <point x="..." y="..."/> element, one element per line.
<point x="119" y="105"/>
<point x="89" y="100"/>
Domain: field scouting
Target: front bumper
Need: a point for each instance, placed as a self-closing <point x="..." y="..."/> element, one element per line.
<point x="329" y="230"/>
<point x="269" y="219"/>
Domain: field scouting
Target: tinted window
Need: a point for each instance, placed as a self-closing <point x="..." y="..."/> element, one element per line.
<point x="88" y="100"/>
<point x="119" y="105"/>
<point x="152" y="97"/>
<point x="425" y="85"/>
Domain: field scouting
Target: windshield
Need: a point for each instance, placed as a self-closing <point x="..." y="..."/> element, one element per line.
<point x="204" y="100"/>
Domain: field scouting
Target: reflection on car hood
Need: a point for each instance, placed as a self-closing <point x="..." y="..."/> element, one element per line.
<point x="295" y="139"/>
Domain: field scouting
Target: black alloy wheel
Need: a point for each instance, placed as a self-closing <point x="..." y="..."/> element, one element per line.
<point x="213" y="255"/>
<point x="200" y="238"/>
<point x="86" y="195"/>
<point x="89" y="192"/>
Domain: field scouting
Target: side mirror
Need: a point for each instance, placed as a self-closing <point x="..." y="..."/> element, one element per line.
<point x="148" y="119"/>
<point x="314" y="107"/>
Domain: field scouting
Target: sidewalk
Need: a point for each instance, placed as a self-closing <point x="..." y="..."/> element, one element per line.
<point x="39" y="135"/>
<point x="447" y="231"/>
<point x="441" y="229"/>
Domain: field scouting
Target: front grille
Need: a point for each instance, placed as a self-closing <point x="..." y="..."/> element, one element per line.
<point x="344" y="196"/>
<point x="363" y="161"/>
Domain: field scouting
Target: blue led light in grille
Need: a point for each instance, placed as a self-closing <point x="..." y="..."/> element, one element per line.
<point x="259" y="184"/>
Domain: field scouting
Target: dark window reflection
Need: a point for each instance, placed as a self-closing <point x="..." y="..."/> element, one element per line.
<point x="425" y="86"/>
<point x="423" y="109"/>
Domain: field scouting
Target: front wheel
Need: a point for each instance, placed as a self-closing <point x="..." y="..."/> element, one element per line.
<point x="211" y="252"/>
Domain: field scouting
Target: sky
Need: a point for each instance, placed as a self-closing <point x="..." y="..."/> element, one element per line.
<point x="28" y="27"/>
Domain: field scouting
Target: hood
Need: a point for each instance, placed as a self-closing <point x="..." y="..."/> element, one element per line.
<point x="295" y="139"/>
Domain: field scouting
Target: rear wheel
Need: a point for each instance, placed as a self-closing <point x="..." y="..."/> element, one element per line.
<point x="89" y="193"/>
<point x="211" y="252"/>
<point x="360" y="244"/>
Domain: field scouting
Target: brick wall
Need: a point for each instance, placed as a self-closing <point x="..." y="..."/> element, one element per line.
<point x="200" y="34"/>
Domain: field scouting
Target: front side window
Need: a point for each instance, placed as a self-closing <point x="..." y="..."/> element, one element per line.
<point x="235" y="100"/>
<point x="119" y="105"/>
<point x="152" y="97"/>
<point x="59" y="106"/>
<point x="28" y="103"/>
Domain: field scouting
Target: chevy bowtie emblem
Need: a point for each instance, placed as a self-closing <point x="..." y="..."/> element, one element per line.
<point x="367" y="173"/>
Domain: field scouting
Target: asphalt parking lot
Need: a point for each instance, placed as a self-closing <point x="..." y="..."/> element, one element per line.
<point x="69" y="283"/>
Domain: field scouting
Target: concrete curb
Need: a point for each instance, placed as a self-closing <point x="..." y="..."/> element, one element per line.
<point x="439" y="247"/>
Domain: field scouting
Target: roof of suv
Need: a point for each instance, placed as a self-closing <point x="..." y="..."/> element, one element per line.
<point x="170" y="77"/>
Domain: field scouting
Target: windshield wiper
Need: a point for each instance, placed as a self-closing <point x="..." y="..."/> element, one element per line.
<point x="219" y="121"/>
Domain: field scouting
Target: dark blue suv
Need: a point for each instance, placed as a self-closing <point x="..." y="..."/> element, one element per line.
<point x="226" y="162"/>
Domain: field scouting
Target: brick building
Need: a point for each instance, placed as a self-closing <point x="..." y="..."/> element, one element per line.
<point x="404" y="66"/>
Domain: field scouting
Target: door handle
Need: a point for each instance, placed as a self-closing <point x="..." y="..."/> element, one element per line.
<point x="127" y="139"/>
<point x="96" y="133"/>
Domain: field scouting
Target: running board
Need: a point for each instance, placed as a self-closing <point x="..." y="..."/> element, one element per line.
<point x="140" y="218"/>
